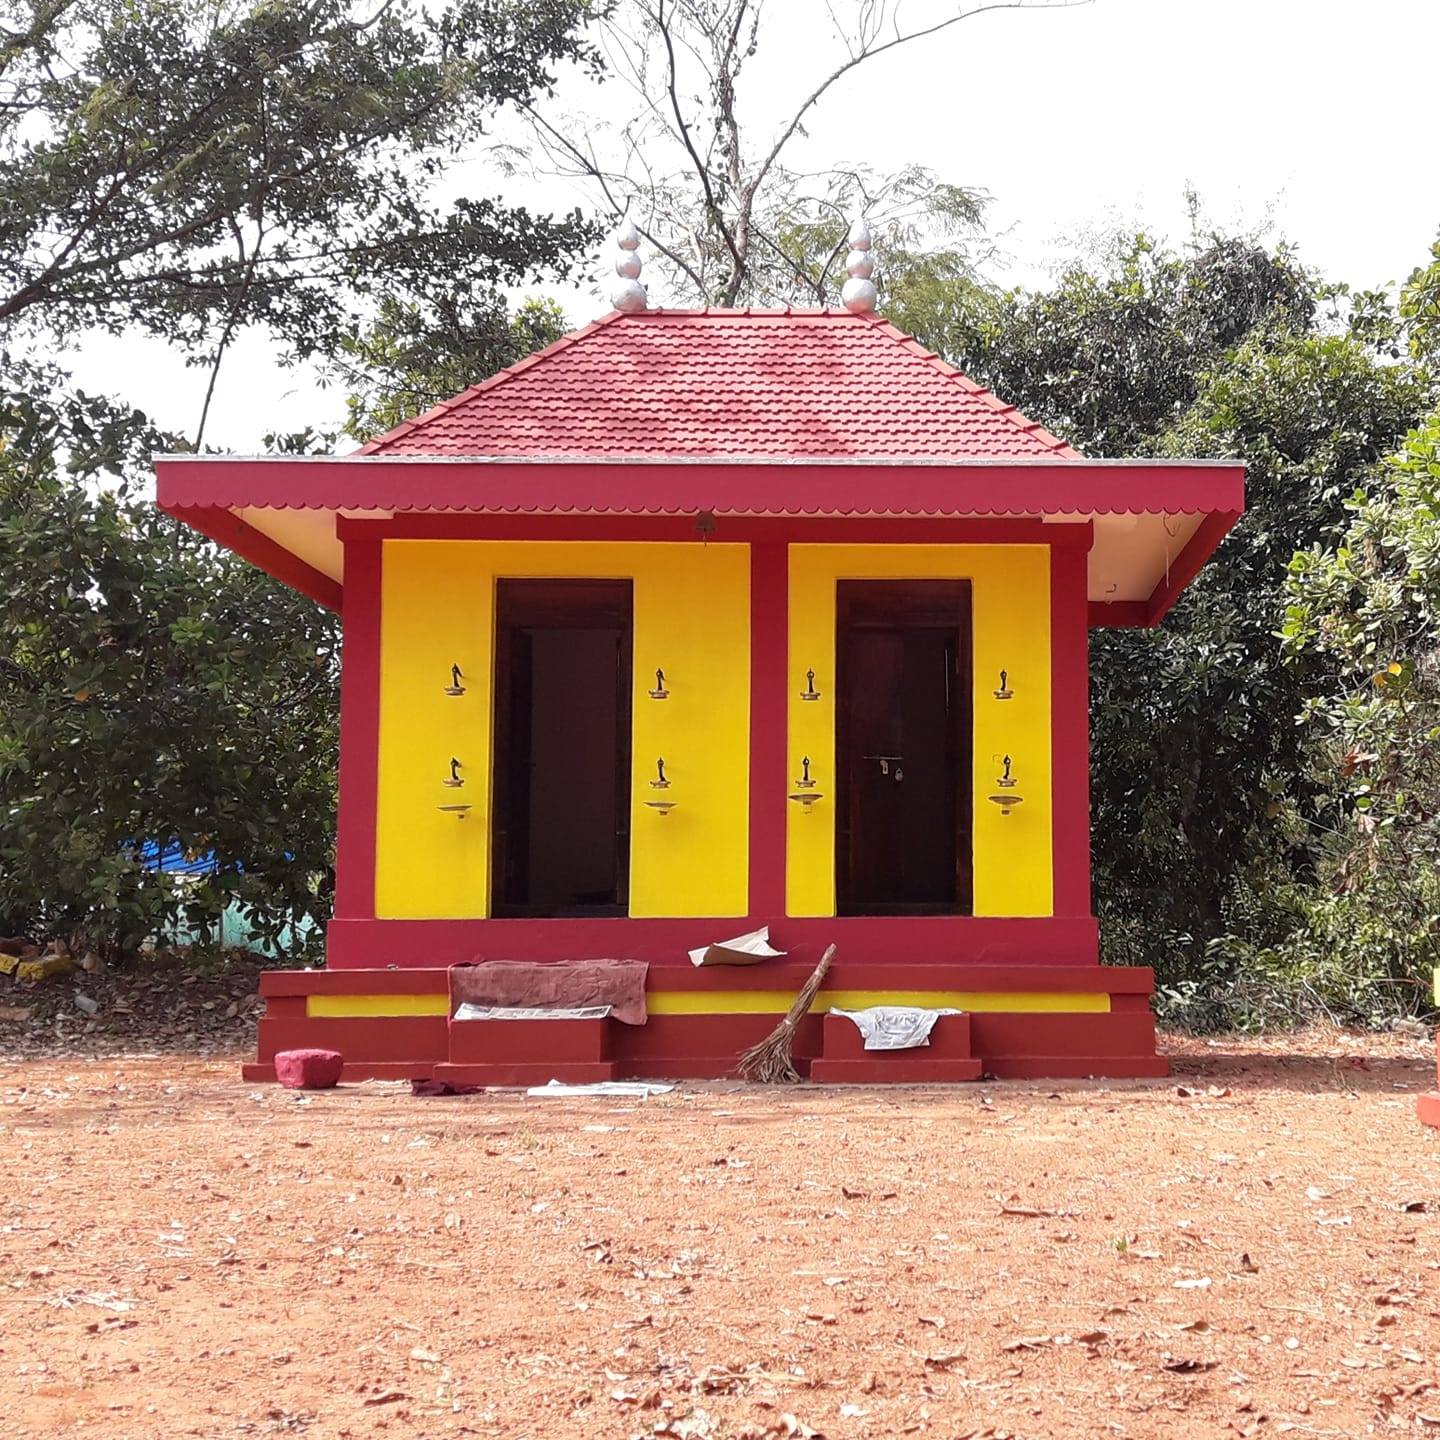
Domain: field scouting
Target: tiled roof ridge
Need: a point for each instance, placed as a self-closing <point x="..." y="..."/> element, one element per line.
<point x="1009" y="413"/>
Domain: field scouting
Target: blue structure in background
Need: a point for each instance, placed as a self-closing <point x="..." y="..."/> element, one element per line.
<point x="235" y="930"/>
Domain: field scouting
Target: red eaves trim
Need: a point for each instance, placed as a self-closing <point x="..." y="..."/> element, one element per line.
<point x="219" y="525"/>
<point x="730" y="529"/>
<point x="758" y="488"/>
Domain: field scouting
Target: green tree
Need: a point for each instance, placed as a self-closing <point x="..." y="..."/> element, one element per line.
<point x="188" y="173"/>
<point x="1367" y="608"/>
<point x="1201" y="788"/>
<point x="152" y="689"/>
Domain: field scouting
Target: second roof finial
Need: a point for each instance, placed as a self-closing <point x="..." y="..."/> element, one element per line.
<point x="627" y="293"/>
<point x="859" y="294"/>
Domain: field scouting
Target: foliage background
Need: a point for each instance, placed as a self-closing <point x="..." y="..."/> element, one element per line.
<point x="1266" y="783"/>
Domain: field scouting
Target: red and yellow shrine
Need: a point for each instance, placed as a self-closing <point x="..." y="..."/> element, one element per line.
<point x="698" y="621"/>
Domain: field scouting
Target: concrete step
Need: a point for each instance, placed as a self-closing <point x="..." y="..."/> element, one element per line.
<point x="844" y="1060"/>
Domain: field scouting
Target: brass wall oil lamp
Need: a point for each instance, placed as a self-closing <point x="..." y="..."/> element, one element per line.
<point x="1006" y="782"/>
<point x="809" y="692"/>
<point x="808" y="794"/>
<point x="659" y="692"/>
<point x="1004" y="692"/>
<point x="454" y="782"/>
<point x="454" y="687"/>
<point x="660" y="783"/>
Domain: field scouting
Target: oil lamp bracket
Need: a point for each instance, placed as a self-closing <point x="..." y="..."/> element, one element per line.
<point x="458" y="811"/>
<point x="453" y="782"/>
<point x="660" y="692"/>
<point x="809" y="692"/>
<point x="660" y="782"/>
<point x="455" y="687"/>
<point x="1004" y="692"/>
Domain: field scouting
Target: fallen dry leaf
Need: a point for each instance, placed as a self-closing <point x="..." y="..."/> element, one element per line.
<point x="1187" y="1366"/>
<point x="386" y="1397"/>
<point x="944" y="1358"/>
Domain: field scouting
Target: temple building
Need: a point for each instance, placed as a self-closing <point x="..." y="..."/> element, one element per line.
<point x="702" y="621"/>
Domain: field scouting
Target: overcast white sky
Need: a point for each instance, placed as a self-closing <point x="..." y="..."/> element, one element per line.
<point x="1312" y="120"/>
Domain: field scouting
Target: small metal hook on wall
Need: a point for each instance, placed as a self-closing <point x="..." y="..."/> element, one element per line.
<point x="454" y="782"/>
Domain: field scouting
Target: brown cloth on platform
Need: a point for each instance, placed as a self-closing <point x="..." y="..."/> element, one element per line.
<point x="554" y="985"/>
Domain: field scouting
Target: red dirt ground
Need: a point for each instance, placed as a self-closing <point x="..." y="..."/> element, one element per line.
<point x="1248" y="1248"/>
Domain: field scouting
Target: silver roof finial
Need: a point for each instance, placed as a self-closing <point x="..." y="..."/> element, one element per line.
<point x="627" y="293"/>
<point x="859" y="294"/>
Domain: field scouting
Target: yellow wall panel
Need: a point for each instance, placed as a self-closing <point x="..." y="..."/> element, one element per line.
<point x="1010" y="600"/>
<point x="692" y="619"/>
<point x="437" y="606"/>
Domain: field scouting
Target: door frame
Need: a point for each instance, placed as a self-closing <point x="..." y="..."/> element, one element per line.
<point x="942" y="603"/>
<point x="533" y="603"/>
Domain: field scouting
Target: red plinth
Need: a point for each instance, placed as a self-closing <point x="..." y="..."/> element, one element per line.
<point x="1427" y="1107"/>
<point x="698" y="1034"/>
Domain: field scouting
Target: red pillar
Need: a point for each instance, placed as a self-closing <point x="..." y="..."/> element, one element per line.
<point x="359" y="733"/>
<point x="769" y="719"/>
<point x="1070" y="727"/>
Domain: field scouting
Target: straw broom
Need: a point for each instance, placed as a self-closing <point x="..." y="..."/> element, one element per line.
<point x="770" y="1062"/>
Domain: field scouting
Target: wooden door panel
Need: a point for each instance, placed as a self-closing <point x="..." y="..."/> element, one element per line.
<point x="902" y="747"/>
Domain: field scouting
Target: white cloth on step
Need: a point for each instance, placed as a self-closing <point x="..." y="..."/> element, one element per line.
<point x="895" y="1027"/>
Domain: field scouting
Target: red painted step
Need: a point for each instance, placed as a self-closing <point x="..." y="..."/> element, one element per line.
<point x="846" y="1061"/>
<point x="524" y="1042"/>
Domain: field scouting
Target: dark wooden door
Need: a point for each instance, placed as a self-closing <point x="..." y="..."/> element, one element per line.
<point x="902" y="748"/>
<point x="561" y="812"/>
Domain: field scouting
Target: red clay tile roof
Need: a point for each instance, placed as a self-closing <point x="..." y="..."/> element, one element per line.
<point x="728" y="384"/>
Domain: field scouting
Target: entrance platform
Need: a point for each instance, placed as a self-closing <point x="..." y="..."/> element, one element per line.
<point x="1024" y="1021"/>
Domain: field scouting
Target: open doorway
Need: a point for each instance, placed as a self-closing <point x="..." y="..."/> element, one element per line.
<point x="903" y="727"/>
<point x="561" y="809"/>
